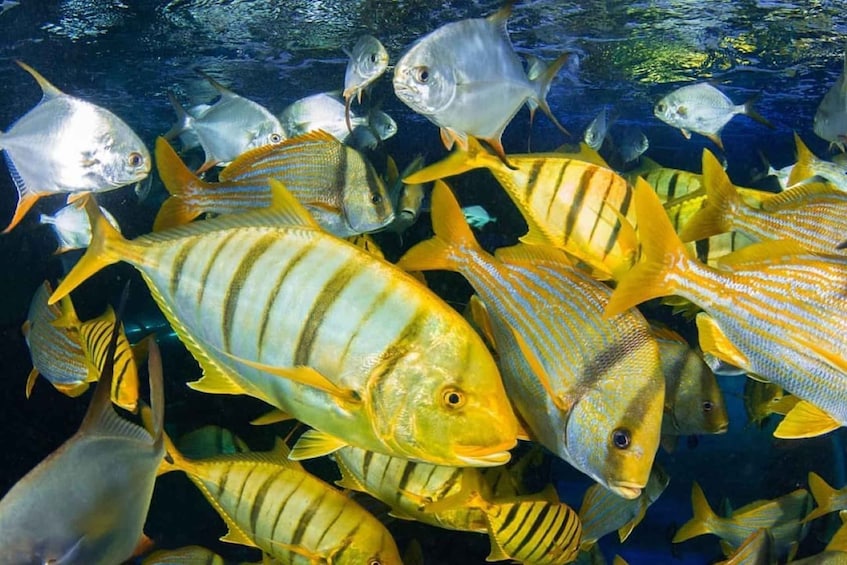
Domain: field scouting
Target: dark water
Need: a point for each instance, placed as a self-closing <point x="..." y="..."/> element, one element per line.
<point x="127" y="55"/>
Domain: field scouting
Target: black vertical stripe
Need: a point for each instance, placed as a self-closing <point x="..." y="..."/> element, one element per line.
<point x="259" y="499"/>
<point x="529" y="532"/>
<point x="179" y="265"/>
<point x="510" y="517"/>
<point x="294" y="488"/>
<point x="672" y="187"/>
<point x="583" y="186"/>
<point x="331" y="523"/>
<point x="366" y="463"/>
<point x="306" y="519"/>
<point x="223" y="479"/>
<point x="204" y="276"/>
<point x="532" y="178"/>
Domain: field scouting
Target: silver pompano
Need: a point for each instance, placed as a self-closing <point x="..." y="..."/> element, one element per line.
<point x="71" y="226"/>
<point x="466" y="78"/>
<point x="368" y="60"/>
<point x="67" y="145"/>
<point x="703" y="109"/>
<point x="227" y="128"/>
<point x="596" y="131"/>
<point x="830" y="121"/>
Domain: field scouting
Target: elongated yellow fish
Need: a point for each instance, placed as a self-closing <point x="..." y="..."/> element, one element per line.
<point x="588" y="389"/>
<point x="573" y="205"/>
<point x="777" y="312"/>
<point x="274" y="307"/>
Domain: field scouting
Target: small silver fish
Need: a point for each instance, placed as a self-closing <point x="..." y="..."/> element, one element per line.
<point x="830" y="121"/>
<point x="630" y="142"/>
<point x="596" y="131"/>
<point x="71" y="226"/>
<point x="67" y="145"/>
<point x="703" y="109"/>
<point x="227" y="128"/>
<point x="477" y="216"/>
<point x="368" y="61"/>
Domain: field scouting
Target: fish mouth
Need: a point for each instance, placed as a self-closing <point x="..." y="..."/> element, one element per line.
<point x="478" y="456"/>
<point x="629" y="491"/>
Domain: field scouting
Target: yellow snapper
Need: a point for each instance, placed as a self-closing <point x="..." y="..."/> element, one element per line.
<point x="335" y="182"/>
<point x="781" y="517"/>
<point x="227" y="128"/>
<point x="272" y="306"/>
<point x="777" y="312"/>
<point x="67" y="145"/>
<point x="87" y="501"/>
<point x="809" y="165"/>
<point x="71" y="354"/>
<point x="466" y="78"/>
<point x="830" y="122"/>
<point x="270" y="502"/>
<point x="813" y="215"/>
<point x="573" y="205"/>
<point x="589" y="390"/>
<point x="368" y="60"/>
<point x="70" y="224"/>
<point x="703" y="109"/>
<point x="603" y="512"/>
<point x="827" y="498"/>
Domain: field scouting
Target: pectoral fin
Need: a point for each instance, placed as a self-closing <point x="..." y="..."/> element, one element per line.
<point x="314" y="443"/>
<point x="713" y="341"/>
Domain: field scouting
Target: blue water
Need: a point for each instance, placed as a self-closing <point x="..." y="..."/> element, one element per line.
<point x="126" y="55"/>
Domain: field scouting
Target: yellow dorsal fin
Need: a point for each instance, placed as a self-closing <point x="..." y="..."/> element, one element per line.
<point x="288" y="207"/>
<point x="722" y="202"/>
<point x="714" y="342"/>
<point x="526" y="254"/>
<point x="804" y="167"/>
<point x="314" y="443"/>
<point x="805" y="420"/>
<point x="540" y="372"/>
<point x="762" y="252"/>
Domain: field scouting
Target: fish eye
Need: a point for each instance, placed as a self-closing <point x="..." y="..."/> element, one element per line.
<point x="373" y="57"/>
<point x="135" y="159"/>
<point x="422" y="74"/>
<point x="660" y="107"/>
<point x="707" y="406"/>
<point x="453" y="398"/>
<point x="376" y="199"/>
<point x="374" y="562"/>
<point x="274" y="138"/>
<point x="621" y="438"/>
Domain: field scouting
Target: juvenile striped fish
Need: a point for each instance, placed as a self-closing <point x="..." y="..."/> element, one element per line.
<point x="272" y="306"/>
<point x="573" y="205"/>
<point x="590" y="390"/>
<point x="335" y="183"/>
<point x="270" y="502"/>
<point x="774" y="310"/>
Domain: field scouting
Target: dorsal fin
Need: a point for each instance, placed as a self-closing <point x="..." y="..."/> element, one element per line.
<point x="47" y="89"/>
<point x="224" y="91"/>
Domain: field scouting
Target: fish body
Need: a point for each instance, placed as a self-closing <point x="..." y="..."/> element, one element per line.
<point x="87" y="501"/>
<point x="569" y="204"/>
<point x="761" y="399"/>
<point x="270" y="502"/>
<point x="477" y="216"/>
<point x="830" y="121"/>
<point x="368" y="60"/>
<point x="274" y="307"/>
<point x="65" y="145"/>
<point x="589" y="390"/>
<point x="335" y="182"/>
<point x="407" y="199"/>
<point x="702" y="108"/>
<point x="466" y="78"/>
<point x="774" y="311"/>
<point x="70" y="223"/>
<point x="809" y="165"/>
<point x="596" y="131"/>
<point x="227" y="128"/>
<point x="630" y="142"/>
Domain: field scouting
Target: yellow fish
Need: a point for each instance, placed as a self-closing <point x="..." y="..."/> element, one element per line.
<point x="272" y="306"/>
<point x="776" y="311"/>
<point x="827" y="498"/>
<point x="572" y="205"/>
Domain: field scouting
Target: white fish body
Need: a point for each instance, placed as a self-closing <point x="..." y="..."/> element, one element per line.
<point x="72" y="227"/>
<point x="368" y="61"/>
<point x="596" y="131"/>
<point x="830" y="122"/>
<point x="67" y="145"/>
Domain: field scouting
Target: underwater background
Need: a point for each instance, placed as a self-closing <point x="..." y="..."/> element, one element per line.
<point x="126" y="55"/>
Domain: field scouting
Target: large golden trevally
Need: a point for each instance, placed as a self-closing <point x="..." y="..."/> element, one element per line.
<point x="590" y="390"/>
<point x="774" y="310"/>
<point x="274" y="307"/>
<point x="67" y="145"/>
<point x="466" y="78"/>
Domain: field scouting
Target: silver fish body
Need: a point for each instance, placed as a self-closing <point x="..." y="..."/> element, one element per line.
<point x="631" y="143"/>
<point x="830" y="122"/>
<point x="71" y="226"/>
<point x="596" y="131"/>
<point x="368" y="61"/>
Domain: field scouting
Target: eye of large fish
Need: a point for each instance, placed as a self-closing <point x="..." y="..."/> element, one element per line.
<point x="621" y="438"/>
<point x="707" y="406"/>
<point x="376" y="199"/>
<point x="453" y="398"/>
<point x="374" y="562"/>
<point x="135" y="159"/>
<point x="422" y="74"/>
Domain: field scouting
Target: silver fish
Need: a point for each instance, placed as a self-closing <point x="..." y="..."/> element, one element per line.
<point x="226" y="129"/>
<point x="71" y="226"/>
<point x="596" y="131"/>
<point x="87" y="502"/>
<point x="67" y="145"/>
<point x="368" y="61"/>
<point x="703" y="109"/>
<point x="466" y="78"/>
<point x="631" y="142"/>
<point x="830" y="121"/>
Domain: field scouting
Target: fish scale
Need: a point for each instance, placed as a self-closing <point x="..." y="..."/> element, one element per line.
<point x="553" y="537"/>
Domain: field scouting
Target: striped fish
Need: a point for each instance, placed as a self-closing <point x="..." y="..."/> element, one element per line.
<point x="757" y="549"/>
<point x="813" y="215"/>
<point x="272" y="306"/>
<point x="334" y="181"/>
<point x="573" y="205"/>
<point x="809" y="165"/>
<point x="596" y="384"/>
<point x="270" y="502"/>
<point x="669" y="184"/>
<point x="775" y="311"/>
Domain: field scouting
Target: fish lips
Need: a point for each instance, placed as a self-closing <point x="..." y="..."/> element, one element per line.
<point x="490" y="456"/>
<point x="630" y="491"/>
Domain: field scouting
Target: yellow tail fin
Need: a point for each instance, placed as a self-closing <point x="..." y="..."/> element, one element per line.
<point x="722" y="200"/>
<point x="177" y="179"/>
<point x="823" y="494"/>
<point x="703" y="518"/>
<point x="457" y="162"/>
<point x="804" y="167"/>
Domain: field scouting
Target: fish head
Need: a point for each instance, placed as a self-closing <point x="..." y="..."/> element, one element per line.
<point x="119" y="158"/>
<point x="699" y="405"/>
<point x="671" y="110"/>
<point x="269" y="132"/>
<point x="382" y="124"/>
<point x="425" y="81"/>
<point x="372" y="545"/>
<point x="368" y="61"/>
<point x="366" y="203"/>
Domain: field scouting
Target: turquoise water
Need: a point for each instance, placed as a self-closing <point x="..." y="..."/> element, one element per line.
<point x="126" y="55"/>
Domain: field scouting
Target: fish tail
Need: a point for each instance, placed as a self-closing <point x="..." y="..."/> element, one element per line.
<point x="750" y="111"/>
<point x="452" y="233"/>
<point x="178" y="180"/>
<point x="662" y="253"/>
<point x="107" y="246"/>
<point x="458" y="161"/>
<point x="804" y="167"/>
<point x="173" y="459"/>
<point x="183" y="119"/>
<point x="823" y="495"/>
<point x="703" y="518"/>
<point x="542" y="86"/>
<point x="721" y="202"/>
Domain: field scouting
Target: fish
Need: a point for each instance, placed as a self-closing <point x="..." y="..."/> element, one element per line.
<point x="70" y="223"/>
<point x="189" y="555"/>
<point x="270" y="502"/>
<point x="596" y="131"/>
<point x="830" y="121"/>
<point x="65" y="145"/>
<point x="827" y="499"/>
<point x="774" y="310"/>
<point x="630" y="142"/>
<point x="466" y="78"/>
<point x="814" y="215"/>
<point x="326" y="111"/>
<point x="809" y="165"/>
<point x="477" y="216"/>
<point x="361" y="351"/>
<point x="781" y="517"/>
<point x="230" y="126"/>
<point x="761" y="399"/>
<point x="335" y="182"/>
<point x="210" y="441"/>
<point x="590" y="391"/>
<point x="702" y="108"/>
<point x="833" y="553"/>
<point x="603" y="512"/>
<point x="407" y="199"/>
<point x="368" y="61"/>
<point x="103" y="476"/>
<point x="757" y="549"/>
<point x="570" y="204"/>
